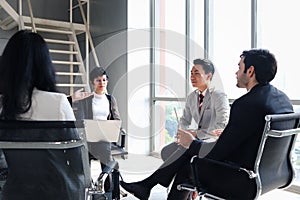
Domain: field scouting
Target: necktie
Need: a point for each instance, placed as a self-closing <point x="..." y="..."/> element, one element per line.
<point x="201" y="97"/>
<point x="200" y="101"/>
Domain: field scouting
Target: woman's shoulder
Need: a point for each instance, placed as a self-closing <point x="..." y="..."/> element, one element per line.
<point x="46" y="94"/>
<point x="50" y="106"/>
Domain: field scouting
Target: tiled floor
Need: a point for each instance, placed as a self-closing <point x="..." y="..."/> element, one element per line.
<point x="137" y="167"/>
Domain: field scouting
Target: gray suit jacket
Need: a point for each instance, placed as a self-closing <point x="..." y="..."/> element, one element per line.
<point x="214" y="115"/>
<point x="214" y="112"/>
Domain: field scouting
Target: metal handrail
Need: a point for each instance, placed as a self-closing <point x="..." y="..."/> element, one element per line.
<point x="31" y="16"/>
<point x="88" y="34"/>
<point x="42" y="145"/>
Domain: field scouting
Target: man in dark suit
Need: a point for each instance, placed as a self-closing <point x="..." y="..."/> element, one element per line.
<point x="241" y="137"/>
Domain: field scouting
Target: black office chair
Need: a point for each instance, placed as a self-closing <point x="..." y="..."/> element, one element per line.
<point x="272" y="169"/>
<point x="49" y="160"/>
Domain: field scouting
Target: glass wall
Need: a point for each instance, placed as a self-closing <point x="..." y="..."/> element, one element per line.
<point x="170" y="67"/>
<point x="278" y="31"/>
<point x="230" y="34"/>
<point x="181" y="29"/>
<point x="138" y="75"/>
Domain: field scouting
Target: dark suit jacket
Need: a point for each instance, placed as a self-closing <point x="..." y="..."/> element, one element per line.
<point x="83" y="108"/>
<point x="240" y="139"/>
<point x="237" y="144"/>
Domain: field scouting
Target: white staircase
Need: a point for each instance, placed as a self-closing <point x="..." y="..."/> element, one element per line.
<point x="7" y="21"/>
<point x="66" y="56"/>
<point x="61" y="37"/>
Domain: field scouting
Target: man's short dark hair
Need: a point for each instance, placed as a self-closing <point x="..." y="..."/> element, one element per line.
<point x="264" y="63"/>
<point x="208" y="66"/>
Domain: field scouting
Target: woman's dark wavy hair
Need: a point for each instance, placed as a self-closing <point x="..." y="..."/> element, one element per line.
<point x="25" y="64"/>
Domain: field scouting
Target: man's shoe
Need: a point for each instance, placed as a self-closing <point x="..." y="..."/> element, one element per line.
<point x="137" y="189"/>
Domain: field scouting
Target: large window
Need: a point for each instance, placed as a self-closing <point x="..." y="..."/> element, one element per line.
<point x="169" y="71"/>
<point x="230" y="34"/>
<point x="138" y="75"/>
<point x="220" y="30"/>
<point x="278" y="32"/>
<point x="178" y="40"/>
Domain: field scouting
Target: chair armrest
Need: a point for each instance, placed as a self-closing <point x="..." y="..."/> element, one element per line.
<point x="118" y="149"/>
<point x="123" y="138"/>
<point x="279" y="133"/>
<point x="187" y="187"/>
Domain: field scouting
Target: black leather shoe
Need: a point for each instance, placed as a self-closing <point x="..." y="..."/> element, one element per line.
<point x="137" y="189"/>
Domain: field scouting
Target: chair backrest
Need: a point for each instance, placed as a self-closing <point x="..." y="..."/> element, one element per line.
<point x="273" y="163"/>
<point x="272" y="169"/>
<point x="46" y="160"/>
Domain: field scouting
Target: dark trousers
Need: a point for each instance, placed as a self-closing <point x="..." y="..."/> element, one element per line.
<point x="102" y="151"/>
<point x="178" y="166"/>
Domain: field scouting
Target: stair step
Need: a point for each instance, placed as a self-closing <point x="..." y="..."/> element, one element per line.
<point x="69" y="73"/>
<point x="50" y="30"/>
<point x="65" y="62"/>
<point x="59" y="41"/>
<point x="8" y="23"/>
<point x="70" y="85"/>
<point x="63" y="52"/>
<point x="82" y="2"/>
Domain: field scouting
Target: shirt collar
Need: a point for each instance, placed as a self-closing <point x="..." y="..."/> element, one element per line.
<point x="203" y="93"/>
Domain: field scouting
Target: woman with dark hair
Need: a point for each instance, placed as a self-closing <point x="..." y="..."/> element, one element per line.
<point x="27" y="81"/>
<point x="99" y="106"/>
<point x="28" y="92"/>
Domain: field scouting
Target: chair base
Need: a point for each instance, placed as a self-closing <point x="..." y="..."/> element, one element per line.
<point x="93" y="195"/>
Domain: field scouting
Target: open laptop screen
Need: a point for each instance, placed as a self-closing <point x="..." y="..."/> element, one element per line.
<point x="102" y="130"/>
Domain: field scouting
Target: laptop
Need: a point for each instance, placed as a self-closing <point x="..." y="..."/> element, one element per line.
<point x="102" y="130"/>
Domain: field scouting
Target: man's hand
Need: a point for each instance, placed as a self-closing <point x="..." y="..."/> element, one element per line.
<point x="184" y="138"/>
<point x="193" y="132"/>
<point x="217" y="132"/>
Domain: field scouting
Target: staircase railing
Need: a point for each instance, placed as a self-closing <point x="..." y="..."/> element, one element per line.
<point x="11" y="20"/>
<point x="89" y="34"/>
<point x="69" y="28"/>
<point x="31" y="16"/>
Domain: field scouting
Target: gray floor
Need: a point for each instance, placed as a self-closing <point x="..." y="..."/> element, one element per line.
<point x="137" y="167"/>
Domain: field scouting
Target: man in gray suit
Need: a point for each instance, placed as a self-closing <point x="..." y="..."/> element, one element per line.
<point x="208" y="107"/>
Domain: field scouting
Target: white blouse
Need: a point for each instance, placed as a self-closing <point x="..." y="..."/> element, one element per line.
<point x="49" y="106"/>
<point x="100" y="107"/>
